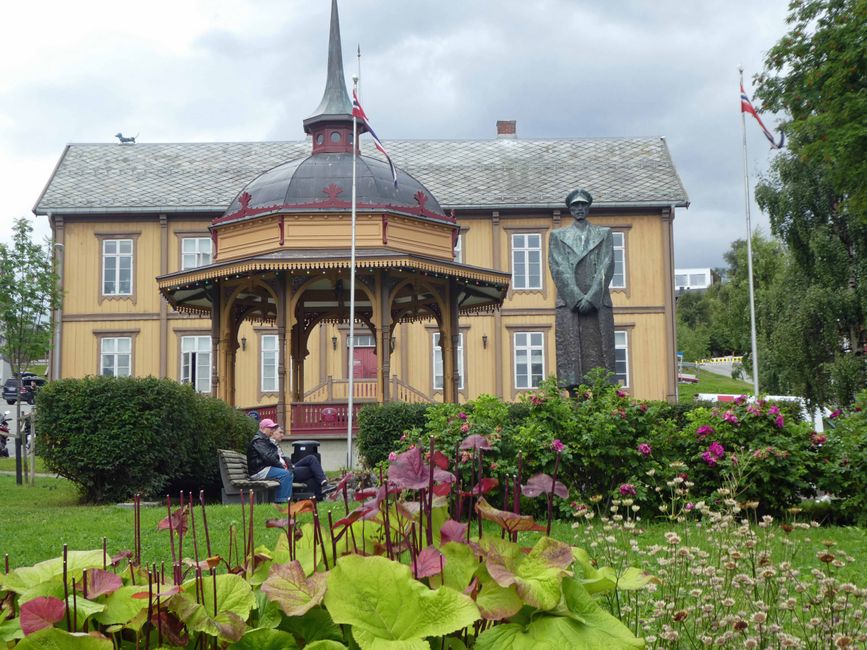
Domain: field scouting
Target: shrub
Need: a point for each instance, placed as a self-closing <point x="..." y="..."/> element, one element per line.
<point x="380" y="427"/>
<point x="114" y="437"/>
<point x="842" y="456"/>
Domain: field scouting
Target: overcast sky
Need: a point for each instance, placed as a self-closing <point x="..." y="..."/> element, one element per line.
<point x="229" y="70"/>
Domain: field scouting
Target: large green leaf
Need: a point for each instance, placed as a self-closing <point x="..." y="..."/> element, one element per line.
<point x="226" y="625"/>
<point x="264" y="638"/>
<point x="121" y="607"/>
<point x="52" y="638"/>
<point x="234" y="594"/>
<point x="605" y="579"/>
<point x="325" y="645"/>
<point x="555" y="633"/>
<point x="268" y="613"/>
<point x="536" y="576"/>
<point x="315" y="625"/>
<point x="11" y="630"/>
<point x="495" y="602"/>
<point x="460" y="563"/>
<point x="304" y="550"/>
<point x="383" y="603"/>
<point x="24" y="578"/>
<point x="292" y="590"/>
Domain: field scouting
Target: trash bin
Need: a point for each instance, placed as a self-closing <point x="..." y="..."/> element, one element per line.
<point x="302" y="448"/>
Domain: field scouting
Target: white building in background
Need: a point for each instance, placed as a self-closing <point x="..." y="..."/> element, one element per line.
<point x="692" y="279"/>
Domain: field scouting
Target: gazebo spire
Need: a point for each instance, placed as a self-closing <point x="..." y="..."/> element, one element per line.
<point x="335" y="104"/>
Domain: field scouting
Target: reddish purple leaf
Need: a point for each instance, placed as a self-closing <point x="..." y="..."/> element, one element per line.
<point x="509" y="521"/>
<point x="453" y="531"/>
<point x="541" y="484"/>
<point x="342" y="483"/>
<point x="429" y="562"/>
<point x="123" y="555"/>
<point x="351" y="518"/>
<point x="410" y="472"/>
<point x="171" y="627"/>
<point x="100" y="583"/>
<point x="366" y="493"/>
<point x="442" y="489"/>
<point x="440" y="459"/>
<point x="475" y="442"/>
<point x="178" y="522"/>
<point x="277" y="523"/>
<point x="482" y="487"/>
<point x="41" y="612"/>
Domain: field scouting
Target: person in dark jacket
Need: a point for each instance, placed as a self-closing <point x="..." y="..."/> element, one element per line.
<point x="265" y="459"/>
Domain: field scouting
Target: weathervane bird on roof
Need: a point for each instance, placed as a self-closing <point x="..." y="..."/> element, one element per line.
<point x="125" y="140"/>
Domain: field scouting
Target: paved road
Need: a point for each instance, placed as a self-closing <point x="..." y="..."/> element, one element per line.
<point x="725" y="369"/>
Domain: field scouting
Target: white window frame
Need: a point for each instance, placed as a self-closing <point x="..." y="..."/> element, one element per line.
<point x="362" y="341"/>
<point x="201" y="253"/>
<point x="437" y="362"/>
<point x="621" y="342"/>
<point x="110" y="348"/>
<point x="619" y="255"/>
<point x="117" y="256"/>
<point x="201" y="346"/>
<point x="523" y="355"/>
<point x="459" y="249"/>
<point x="268" y="356"/>
<point x="523" y="253"/>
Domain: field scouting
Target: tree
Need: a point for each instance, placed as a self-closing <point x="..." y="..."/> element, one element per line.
<point x="816" y="196"/>
<point x="29" y="292"/>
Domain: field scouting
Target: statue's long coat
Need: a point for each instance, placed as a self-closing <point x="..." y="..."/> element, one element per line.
<point x="581" y="258"/>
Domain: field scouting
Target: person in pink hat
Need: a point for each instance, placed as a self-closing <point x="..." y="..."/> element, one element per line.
<point x="265" y="460"/>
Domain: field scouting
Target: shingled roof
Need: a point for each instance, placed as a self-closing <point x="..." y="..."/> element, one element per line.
<point x="491" y="174"/>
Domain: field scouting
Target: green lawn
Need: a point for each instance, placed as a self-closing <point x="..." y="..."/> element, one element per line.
<point x="8" y="464"/>
<point x="37" y="522"/>
<point x="709" y="382"/>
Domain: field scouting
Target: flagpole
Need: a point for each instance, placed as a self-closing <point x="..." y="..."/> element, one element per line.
<point x="755" y="356"/>
<point x="351" y="355"/>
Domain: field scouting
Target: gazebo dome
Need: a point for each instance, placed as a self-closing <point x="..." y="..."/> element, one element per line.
<point x="323" y="181"/>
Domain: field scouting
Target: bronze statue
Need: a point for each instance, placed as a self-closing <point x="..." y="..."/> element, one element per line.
<point x="581" y="258"/>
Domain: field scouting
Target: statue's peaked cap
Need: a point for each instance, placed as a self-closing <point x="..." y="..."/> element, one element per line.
<point x="578" y="195"/>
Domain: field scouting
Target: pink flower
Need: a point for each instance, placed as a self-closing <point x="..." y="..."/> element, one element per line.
<point x="690" y="506"/>
<point x="403" y="437"/>
<point x="620" y="393"/>
<point x="752" y="410"/>
<point x="835" y="414"/>
<point x="774" y="410"/>
<point x="730" y="417"/>
<point x="465" y="427"/>
<point x="627" y="489"/>
<point x="704" y="430"/>
<point x="392" y="457"/>
<point x="644" y="449"/>
<point x="740" y="399"/>
<point x="818" y="438"/>
<point x="779" y="422"/>
<point x="557" y="446"/>
<point x="535" y="400"/>
<point x="462" y="415"/>
<point x="709" y="458"/>
<point x="642" y="408"/>
<point x="717" y="449"/>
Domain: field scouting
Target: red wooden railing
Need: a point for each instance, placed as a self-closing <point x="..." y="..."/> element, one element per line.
<point x="323" y="419"/>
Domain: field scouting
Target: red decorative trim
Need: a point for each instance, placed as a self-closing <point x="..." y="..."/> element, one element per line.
<point x="384" y="229"/>
<point x="420" y="198"/>
<point x="282" y="226"/>
<point x="332" y="191"/>
<point x="333" y="204"/>
<point x="245" y="200"/>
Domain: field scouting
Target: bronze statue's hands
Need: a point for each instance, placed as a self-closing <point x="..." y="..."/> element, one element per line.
<point x="585" y="306"/>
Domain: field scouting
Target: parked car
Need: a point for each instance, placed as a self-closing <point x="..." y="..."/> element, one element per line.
<point x="24" y="389"/>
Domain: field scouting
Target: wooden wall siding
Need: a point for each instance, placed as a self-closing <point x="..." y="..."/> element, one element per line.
<point x="420" y="237"/>
<point x="639" y="309"/>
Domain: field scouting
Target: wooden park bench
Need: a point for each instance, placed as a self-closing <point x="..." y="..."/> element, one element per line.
<point x="236" y="477"/>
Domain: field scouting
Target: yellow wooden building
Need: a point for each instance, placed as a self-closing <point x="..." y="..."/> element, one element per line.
<point x="124" y="215"/>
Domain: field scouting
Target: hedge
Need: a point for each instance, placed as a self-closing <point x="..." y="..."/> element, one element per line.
<point x="381" y="426"/>
<point x="115" y="437"/>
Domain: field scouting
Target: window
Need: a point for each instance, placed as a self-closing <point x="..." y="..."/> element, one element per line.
<point x="269" y="363"/>
<point x="117" y="267"/>
<point x="681" y="280"/>
<point x="115" y="356"/>
<point x="618" y="280"/>
<point x="459" y="249"/>
<point x="195" y="251"/>
<point x="527" y="261"/>
<point x="621" y="357"/>
<point x="196" y="362"/>
<point x="363" y="341"/>
<point x="438" y="362"/>
<point x="698" y="280"/>
<point x="529" y="359"/>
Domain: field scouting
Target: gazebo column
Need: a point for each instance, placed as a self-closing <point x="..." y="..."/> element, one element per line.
<point x="382" y="321"/>
<point x="224" y="357"/>
<point x="449" y="334"/>
<point x="296" y="336"/>
<point x="216" y="313"/>
<point x="284" y="321"/>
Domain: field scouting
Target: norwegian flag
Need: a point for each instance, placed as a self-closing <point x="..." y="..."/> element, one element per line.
<point x="359" y="113"/>
<point x="747" y="107"/>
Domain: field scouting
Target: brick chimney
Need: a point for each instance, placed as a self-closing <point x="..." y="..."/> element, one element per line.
<point x="507" y="129"/>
